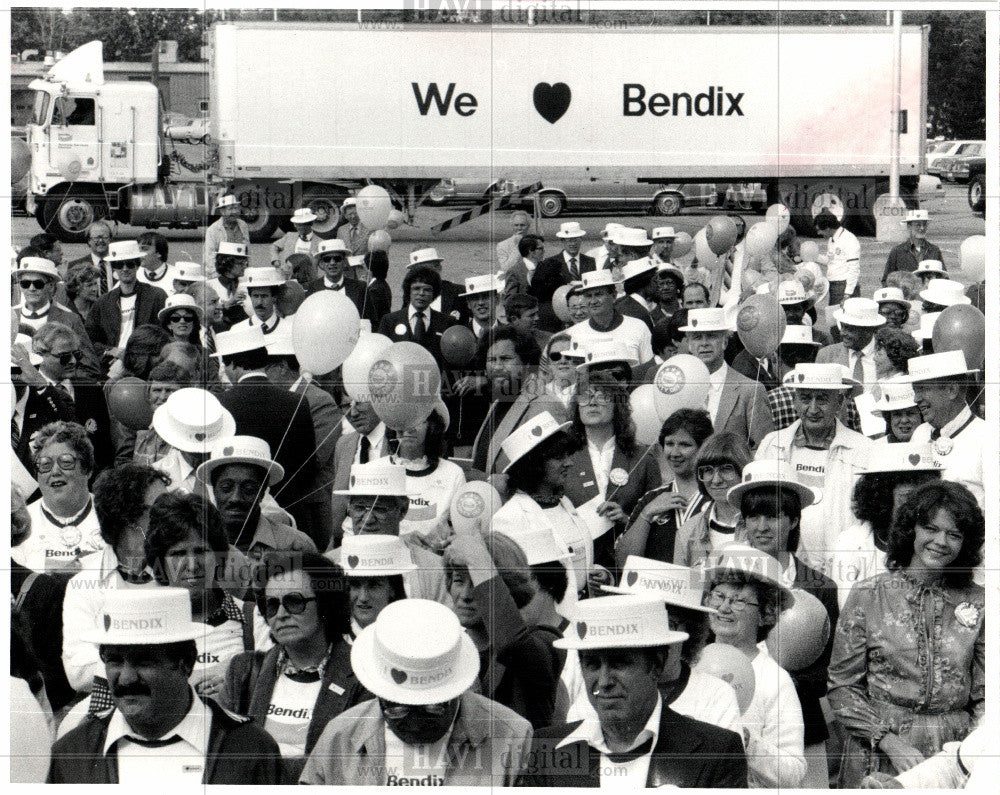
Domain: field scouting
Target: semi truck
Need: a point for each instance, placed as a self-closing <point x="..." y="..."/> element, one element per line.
<point x="305" y="114"/>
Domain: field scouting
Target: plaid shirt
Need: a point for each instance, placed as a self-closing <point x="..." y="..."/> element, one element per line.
<point x="782" y="407"/>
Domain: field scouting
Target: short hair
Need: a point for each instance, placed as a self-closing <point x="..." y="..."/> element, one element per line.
<point x="871" y="501"/>
<point x="527" y="244"/>
<point x="524" y="344"/>
<point x="529" y="471"/>
<point x="520" y="214"/>
<point x="773" y="502"/>
<point x="142" y="348"/>
<point x="724" y="447"/>
<point x="621" y="420"/>
<point x="20" y="519"/>
<point x="50" y="333"/>
<point x="920" y="509"/>
<point x="95" y="224"/>
<point x="377" y="263"/>
<point x="157" y="241"/>
<point x="826" y="220"/>
<point x="223" y="262"/>
<point x="395" y="581"/>
<point x="169" y="372"/>
<point x="255" y="359"/>
<point x="302" y="267"/>
<point x="699" y="286"/>
<point x="552" y="579"/>
<point x="695" y="624"/>
<point x="119" y="497"/>
<point x="173" y="516"/>
<point x="71" y="433"/>
<point x="516" y="304"/>
<point x="899" y="346"/>
<point x="43" y="242"/>
<point x="768" y="596"/>
<point x="697" y="422"/>
<point x="326" y="579"/>
<point x="77" y="274"/>
<point x="423" y="274"/>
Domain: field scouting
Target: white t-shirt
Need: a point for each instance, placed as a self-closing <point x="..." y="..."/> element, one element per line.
<point x="844" y="252"/>
<point x="773" y="720"/>
<point x="127" y="303"/>
<point x="51" y="547"/>
<point x="430" y="496"/>
<point x="632" y="332"/>
<point x="289" y="713"/>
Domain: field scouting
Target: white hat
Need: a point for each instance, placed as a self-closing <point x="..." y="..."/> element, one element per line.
<point x="746" y="560"/>
<point x="477" y="285"/>
<point x="192" y="420"/>
<point x="673" y="270"/>
<point x="609" y="228"/>
<point x="332" y="246"/>
<point x="681" y="586"/>
<point x="188" y="272"/>
<point x="937" y="365"/>
<point x="281" y="344"/>
<point x="422" y="255"/>
<point x="123" y="250"/>
<point x="902" y="457"/>
<point x="708" y="319"/>
<point x="528" y="436"/>
<point x="945" y="292"/>
<point x="637" y="267"/>
<point x="239" y="340"/>
<point x="539" y="545"/>
<point x="38" y="265"/>
<point x="415" y="652"/>
<point x="226" y="200"/>
<point x="930" y="266"/>
<point x="618" y="622"/>
<point x="771" y="473"/>
<point x="350" y="201"/>
<point x="570" y="229"/>
<point x="916" y="215"/>
<point x="809" y="375"/>
<point x="145" y="617"/>
<point x="630" y="236"/>
<point x="926" y="328"/>
<point x="663" y="233"/>
<point x="234" y="249"/>
<point x="262" y="277"/>
<point x="592" y="280"/>
<point x="890" y="295"/>
<point x="303" y="215"/>
<point x="376" y="480"/>
<point x="240" y="450"/>
<point x="798" y="335"/>
<point x="180" y="301"/>
<point x="604" y="350"/>
<point x="792" y="292"/>
<point x="375" y="555"/>
<point x="897" y="394"/>
<point x="859" y="312"/>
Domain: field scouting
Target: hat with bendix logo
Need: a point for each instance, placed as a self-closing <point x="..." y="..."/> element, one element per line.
<point x="681" y="586"/>
<point x="618" y="622"/>
<point x="375" y="556"/>
<point x="145" y="617"/>
<point x="376" y="480"/>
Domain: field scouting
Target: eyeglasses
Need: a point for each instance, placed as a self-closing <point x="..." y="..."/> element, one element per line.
<point x="723" y="472"/>
<point x="717" y="599"/>
<point x="99" y="238"/>
<point x="67" y="358"/>
<point x="394" y="711"/>
<point x="294" y="604"/>
<point x="126" y="264"/>
<point x="332" y="258"/>
<point x="596" y="397"/>
<point x="38" y="284"/>
<point x="182" y="317"/>
<point x="66" y="462"/>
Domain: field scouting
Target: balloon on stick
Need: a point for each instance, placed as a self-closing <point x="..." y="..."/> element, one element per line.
<point x="801" y="634"/>
<point x="642" y="402"/>
<point x="961" y="328"/>
<point x="681" y="382"/>
<point x="128" y="402"/>
<point x="760" y="324"/>
<point x="458" y="345"/>
<point x="972" y="258"/>
<point x="374" y="206"/>
<point x="369" y="348"/>
<point x="683" y="243"/>
<point x="404" y="384"/>
<point x="731" y="666"/>
<point x="761" y="239"/>
<point x="779" y="216"/>
<point x="379" y="240"/>
<point x="326" y="329"/>
<point x="721" y="233"/>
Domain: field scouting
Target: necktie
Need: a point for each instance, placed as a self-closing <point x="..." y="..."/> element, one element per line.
<point x="15" y="433"/>
<point x="574" y="270"/>
<point x="34" y="315"/>
<point x="859" y="370"/>
<point x="366" y="449"/>
<point x="153" y="743"/>
<point x="105" y="280"/>
<point x="635" y="753"/>
<point x="419" y="329"/>
<point x="727" y="272"/>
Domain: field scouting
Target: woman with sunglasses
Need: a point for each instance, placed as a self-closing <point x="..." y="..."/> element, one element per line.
<point x="181" y="317"/>
<point x="294" y="689"/>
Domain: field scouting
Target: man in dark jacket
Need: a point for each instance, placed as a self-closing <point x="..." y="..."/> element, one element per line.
<point x="417" y="321"/>
<point x="331" y="257"/>
<point x="449" y="301"/>
<point x="560" y="269"/>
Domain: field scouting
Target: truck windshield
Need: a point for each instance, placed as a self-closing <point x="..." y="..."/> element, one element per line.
<point x="41" y="111"/>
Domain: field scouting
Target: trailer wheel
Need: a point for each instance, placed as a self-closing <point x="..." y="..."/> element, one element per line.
<point x="325" y="206"/>
<point x="259" y="216"/>
<point x="68" y="213"/>
<point x="977" y="193"/>
<point x="551" y="204"/>
<point x="668" y="204"/>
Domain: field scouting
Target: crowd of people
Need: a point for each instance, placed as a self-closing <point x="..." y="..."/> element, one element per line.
<point x="229" y="570"/>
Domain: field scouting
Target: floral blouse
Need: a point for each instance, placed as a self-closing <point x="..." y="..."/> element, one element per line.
<point x="920" y="647"/>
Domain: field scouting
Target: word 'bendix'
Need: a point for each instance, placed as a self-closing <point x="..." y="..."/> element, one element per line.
<point x="709" y="103"/>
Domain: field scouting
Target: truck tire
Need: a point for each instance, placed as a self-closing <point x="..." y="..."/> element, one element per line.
<point x="67" y="213"/>
<point x="262" y="219"/>
<point x="551" y="205"/>
<point x="326" y="206"/>
<point x="668" y="204"/>
<point x="977" y="193"/>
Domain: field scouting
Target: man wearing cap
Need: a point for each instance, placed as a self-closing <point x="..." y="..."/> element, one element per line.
<point x="185" y="275"/>
<point x="735" y="403"/>
<point x="636" y="741"/>
<point x="230" y="228"/>
<point x="824" y="454"/>
<point x="158" y="728"/>
<point x="939" y="294"/>
<point x="893" y="306"/>
<point x="98" y="240"/>
<point x="449" y="301"/>
<point x="265" y="287"/>
<point x="231" y="261"/>
<point x="842" y="257"/>
<point x="189" y="422"/>
<point x="562" y="268"/>
<point x="155" y="270"/>
<point x="606" y="322"/>
<point x="301" y="240"/>
<point x="907" y="255"/>
<point x="352" y="231"/>
<point x="507" y="252"/>
<point x="331" y="257"/>
<point x="663" y="244"/>
<point x="797" y="347"/>
<point x="424" y="727"/>
<point x="642" y="290"/>
<point x="928" y="269"/>
<point x="958" y="437"/>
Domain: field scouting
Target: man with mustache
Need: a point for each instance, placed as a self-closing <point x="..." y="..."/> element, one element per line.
<point x="159" y="729"/>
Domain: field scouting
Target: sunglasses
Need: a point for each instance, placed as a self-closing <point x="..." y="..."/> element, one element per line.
<point x="294" y="604"/>
<point x="394" y="711"/>
<point x="724" y="471"/>
<point x="66" y="462"/>
<point x="332" y="258"/>
<point x="67" y="358"/>
<point x="126" y="264"/>
<point x="182" y="317"/>
<point x="38" y="284"/>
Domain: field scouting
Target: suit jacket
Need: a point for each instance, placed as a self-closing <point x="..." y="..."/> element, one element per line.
<point x="516" y="280"/>
<point x="378" y="301"/>
<point x="343" y="457"/>
<point x="91" y="410"/>
<point x="743" y="409"/>
<point x="104" y="323"/>
<point x="391" y="324"/>
<point x="41" y="408"/>
<point x="507" y="253"/>
<point x="747" y="365"/>
<point x="688" y="754"/>
<point x="284" y="247"/>
<point x="90" y="364"/>
<point x="327" y="426"/>
<point x="627" y="305"/>
<point x="833" y="354"/>
<point x="551" y="274"/>
<point x="452" y="302"/>
<point x="354" y="290"/>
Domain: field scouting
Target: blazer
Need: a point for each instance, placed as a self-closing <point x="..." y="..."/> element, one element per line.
<point x="284" y="246"/>
<point x="747" y="365"/>
<point x="688" y="754"/>
<point x="396" y="326"/>
<point x="516" y="280"/>
<point x="378" y="301"/>
<point x="343" y="457"/>
<point x="327" y="426"/>
<point x="104" y="323"/>
<point x="42" y="407"/>
<point x="453" y="305"/>
<point x="743" y="409"/>
<point x="552" y="273"/>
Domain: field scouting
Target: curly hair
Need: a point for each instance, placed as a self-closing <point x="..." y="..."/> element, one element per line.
<point x="424" y="274"/>
<point x="871" y="501"/>
<point x="899" y="346"/>
<point x="71" y="433"/>
<point x="46" y="336"/>
<point x="527" y="473"/>
<point x="525" y="347"/>
<point x="142" y="348"/>
<point x="326" y="579"/>
<point x="720" y="448"/>
<point x="78" y="275"/>
<point x="175" y="515"/>
<point x="920" y="509"/>
<point x="118" y="497"/>
<point x="768" y="597"/>
<point x="621" y="420"/>
<point x="696" y="422"/>
<point x="169" y="372"/>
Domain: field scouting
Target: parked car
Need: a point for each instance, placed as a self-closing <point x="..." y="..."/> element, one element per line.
<point x="191" y="131"/>
<point x="941" y="151"/>
<point x="466" y="191"/>
<point x="947" y="165"/>
<point x="977" y="184"/>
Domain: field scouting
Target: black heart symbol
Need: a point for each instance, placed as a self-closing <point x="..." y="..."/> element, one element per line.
<point x="631" y="577"/>
<point x="552" y="102"/>
<point x="694" y="323"/>
<point x="581" y="629"/>
<point x="227" y="451"/>
<point x="398" y="676"/>
<point x="914" y="458"/>
<point x="352" y="560"/>
<point x="199" y="437"/>
<point x="536" y="431"/>
<point x="107" y="622"/>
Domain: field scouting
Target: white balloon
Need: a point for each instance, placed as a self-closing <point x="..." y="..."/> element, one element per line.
<point x="642" y="402"/>
<point x="379" y="240"/>
<point x="474" y="504"/>
<point x="369" y="349"/>
<point x="778" y="215"/>
<point x="374" y="206"/>
<point x="973" y="258"/>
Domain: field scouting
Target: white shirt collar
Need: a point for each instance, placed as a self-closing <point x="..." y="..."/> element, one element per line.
<point x="376" y="436"/>
<point x="950" y="427"/>
<point x="718" y="378"/>
<point x="43" y="311"/>
<point x="412" y="311"/>
<point x="589" y="731"/>
<point x="332" y="285"/>
<point x="193" y="729"/>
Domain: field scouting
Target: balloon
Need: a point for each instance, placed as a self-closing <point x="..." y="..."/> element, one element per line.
<point x="731" y="666"/>
<point x="706" y="257"/>
<point x="559" y="303"/>
<point x="801" y="634"/>
<point x="680" y="383"/>
<point x="404" y="384"/>
<point x="642" y="401"/>
<point x="442" y="410"/>
<point x="325" y="332"/>
<point x="778" y="216"/>
<point x="761" y="239"/>
<point x="721" y="234"/>
<point x="760" y="324"/>
<point x="962" y="328"/>
<point x="808" y="251"/>
<point x="474" y="504"/>
<point x="972" y="257"/>
<point x="394" y="220"/>
<point x="374" y="206"/>
<point x="369" y="349"/>
<point x="458" y="345"/>
<point x="683" y="243"/>
<point x="379" y="240"/>
<point x="20" y="160"/>
<point x="128" y="402"/>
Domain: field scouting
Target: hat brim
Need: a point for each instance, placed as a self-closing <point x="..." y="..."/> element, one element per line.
<point x="786" y="592"/>
<point x="538" y="440"/>
<point x="840" y="318"/>
<point x="478" y="292"/>
<point x="571" y="235"/>
<point x="174" y="438"/>
<point x="622" y="589"/>
<point x="668" y="638"/>
<point x="53" y="274"/>
<point x="881" y="408"/>
<point x="652" y="267"/>
<point x="168" y="311"/>
<point x="705" y="327"/>
<point x="585" y="288"/>
<point x="306" y="219"/>
<point x="807" y="494"/>
<point x="112" y="261"/>
<point x="809" y="300"/>
<point x="362" y="662"/>
<point x="929" y="467"/>
<point x="913" y="379"/>
<point x="811" y="343"/>
<point x="194" y="631"/>
<point x="366" y="493"/>
<point x="275" y="471"/>
<point x="813" y="385"/>
<point x="925" y="295"/>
